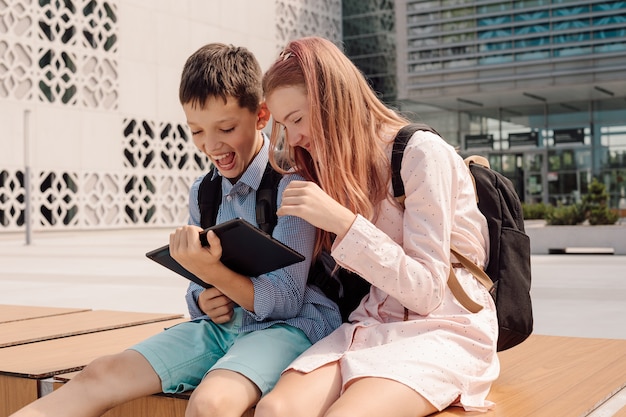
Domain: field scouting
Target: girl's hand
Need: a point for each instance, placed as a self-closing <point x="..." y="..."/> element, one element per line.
<point x="308" y="201"/>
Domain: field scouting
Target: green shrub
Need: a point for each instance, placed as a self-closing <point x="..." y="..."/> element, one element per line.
<point x="595" y="205"/>
<point x="536" y="211"/>
<point x="566" y="215"/>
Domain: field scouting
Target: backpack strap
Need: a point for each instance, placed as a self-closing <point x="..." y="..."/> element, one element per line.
<point x="401" y="140"/>
<point x="480" y="160"/>
<point x="210" y="197"/>
<point x="266" y="197"/>
<point x="399" y="144"/>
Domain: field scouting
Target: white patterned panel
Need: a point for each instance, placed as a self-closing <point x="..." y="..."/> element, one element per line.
<point x="55" y="200"/>
<point x="76" y="53"/>
<point x="11" y="199"/>
<point x="163" y="162"/>
<point x="140" y="199"/>
<point x="101" y="201"/>
<point x="131" y="199"/>
<point x="174" y="148"/>
<point x="16" y="18"/>
<point x="97" y="21"/>
<point x="99" y="82"/>
<point x="16" y="55"/>
<point x="15" y="69"/>
<point x="64" y="53"/>
<point x="58" y="83"/>
<point x="298" y="18"/>
<point x="91" y="200"/>
<point x="138" y="145"/>
<point x="172" y="198"/>
<point x="169" y="147"/>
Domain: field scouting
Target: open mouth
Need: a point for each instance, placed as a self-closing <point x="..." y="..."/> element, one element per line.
<point x="224" y="161"/>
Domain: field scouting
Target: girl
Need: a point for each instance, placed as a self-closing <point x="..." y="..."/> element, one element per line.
<point x="409" y="348"/>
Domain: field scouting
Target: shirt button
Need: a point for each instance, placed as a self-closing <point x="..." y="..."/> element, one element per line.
<point x="342" y="257"/>
<point x="229" y="198"/>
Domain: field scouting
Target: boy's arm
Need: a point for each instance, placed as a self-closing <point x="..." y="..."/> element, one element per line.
<point x="280" y="294"/>
<point x="276" y="295"/>
<point x="193" y="292"/>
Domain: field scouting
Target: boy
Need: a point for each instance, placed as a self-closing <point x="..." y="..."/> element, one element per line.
<point x="230" y="356"/>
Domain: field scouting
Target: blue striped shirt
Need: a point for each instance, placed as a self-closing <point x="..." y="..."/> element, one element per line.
<point x="281" y="296"/>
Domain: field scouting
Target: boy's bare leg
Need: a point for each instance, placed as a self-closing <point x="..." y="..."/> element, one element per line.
<point x="222" y="393"/>
<point x="105" y="383"/>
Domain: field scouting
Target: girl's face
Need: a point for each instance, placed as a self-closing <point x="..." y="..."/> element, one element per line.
<point x="289" y="107"/>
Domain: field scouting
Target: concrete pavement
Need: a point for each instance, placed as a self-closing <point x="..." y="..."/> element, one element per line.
<point x="573" y="295"/>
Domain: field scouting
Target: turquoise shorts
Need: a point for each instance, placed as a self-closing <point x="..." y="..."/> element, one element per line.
<point x="183" y="354"/>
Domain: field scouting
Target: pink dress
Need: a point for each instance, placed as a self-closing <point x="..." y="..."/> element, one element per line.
<point x="445" y="353"/>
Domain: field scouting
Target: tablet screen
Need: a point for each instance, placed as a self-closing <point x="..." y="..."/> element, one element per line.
<point x="246" y="249"/>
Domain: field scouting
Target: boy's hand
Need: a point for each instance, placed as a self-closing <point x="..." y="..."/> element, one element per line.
<point x="216" y="305"/>
<point x="186" y="249"/>
<point x="308" y="201"/>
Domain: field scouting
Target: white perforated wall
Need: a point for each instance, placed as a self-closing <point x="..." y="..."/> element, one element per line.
<point x="89" y="101"/>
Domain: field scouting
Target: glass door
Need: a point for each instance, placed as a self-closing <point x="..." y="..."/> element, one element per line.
<point x="535" y="178"/>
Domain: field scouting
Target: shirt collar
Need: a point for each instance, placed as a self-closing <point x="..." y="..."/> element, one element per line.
<point x="253" y="174"/>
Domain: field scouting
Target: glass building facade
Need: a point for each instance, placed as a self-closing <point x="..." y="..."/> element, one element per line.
<point x="539" y="87"/>
<point x="369" y="40"/>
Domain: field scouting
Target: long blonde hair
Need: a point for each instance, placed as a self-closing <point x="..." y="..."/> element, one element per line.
<point x="347" y="122"/>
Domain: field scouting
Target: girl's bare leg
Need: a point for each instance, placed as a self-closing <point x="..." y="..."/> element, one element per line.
<point x="103" y="384"/>
<point x="376" y="397"/>
<point x="302" y="395"/>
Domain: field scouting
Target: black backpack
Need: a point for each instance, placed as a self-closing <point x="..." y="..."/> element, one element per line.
<point x="340" y="285"/>
<point x="508" y="273"/>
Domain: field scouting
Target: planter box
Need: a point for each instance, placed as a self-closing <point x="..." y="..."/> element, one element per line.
<point x="543" y="238"/>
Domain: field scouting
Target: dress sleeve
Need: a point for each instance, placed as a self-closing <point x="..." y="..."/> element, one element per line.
<point x="415" y="269"/>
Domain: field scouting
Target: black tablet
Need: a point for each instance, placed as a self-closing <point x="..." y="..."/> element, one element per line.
<point x="246" y="249"/>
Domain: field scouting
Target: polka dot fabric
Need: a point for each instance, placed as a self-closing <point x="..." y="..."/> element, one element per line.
<point x="442" y="351"/>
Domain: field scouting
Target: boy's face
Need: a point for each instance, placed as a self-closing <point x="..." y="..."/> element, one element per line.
<point x="228" y="134"/>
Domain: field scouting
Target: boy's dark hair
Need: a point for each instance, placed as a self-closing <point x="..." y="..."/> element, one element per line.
<point x="219" y="70"/>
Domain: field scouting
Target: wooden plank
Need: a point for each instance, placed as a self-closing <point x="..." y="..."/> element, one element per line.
<point x="10" y="313"/>
<point x="47" y="358"/>
<point x="547" y="375"/>
<point x="15" y="393"/>
<point x="54" y="327"/>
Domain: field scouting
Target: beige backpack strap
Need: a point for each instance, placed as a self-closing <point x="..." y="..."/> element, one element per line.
<point x="476" y="159"/>
<point x="478" y="273"/>
<point x="460" y="294"/>
<point x="453" y="282"/>
<point x="456" y="288"/>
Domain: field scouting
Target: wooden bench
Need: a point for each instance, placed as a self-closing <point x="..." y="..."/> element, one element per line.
<point x="544" y="376"/>
<point x="65" y="345"/>
<point x="556" y="376"/>
<point x="10" y="313"/>
<point x="79" y="322"/>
